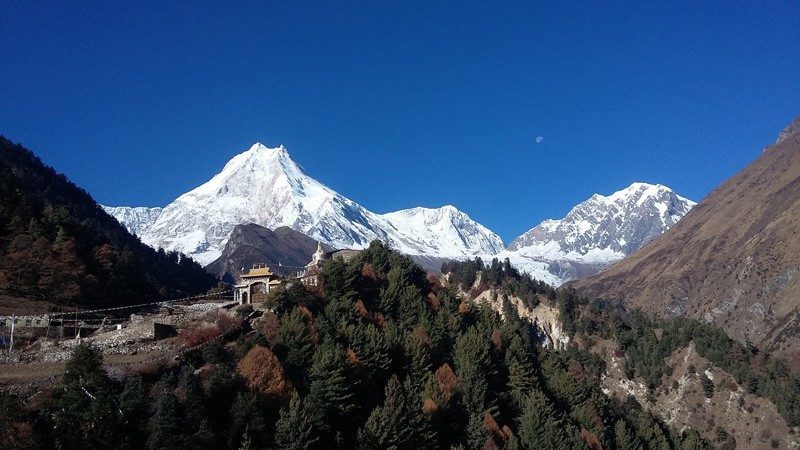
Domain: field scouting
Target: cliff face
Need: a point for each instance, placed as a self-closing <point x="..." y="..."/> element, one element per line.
<point x="734" y="260"/>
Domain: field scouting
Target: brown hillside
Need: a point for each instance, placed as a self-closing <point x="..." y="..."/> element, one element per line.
<point x="733" y="260"/>
<point x="284" y="250"/>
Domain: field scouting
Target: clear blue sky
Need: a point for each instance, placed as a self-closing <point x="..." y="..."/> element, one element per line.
<point x="400" y="104"/>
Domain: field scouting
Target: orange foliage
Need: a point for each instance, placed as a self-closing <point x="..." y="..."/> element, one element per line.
<point x="429" y="406"/>
<point x="268" y="326"/>
<point x="198" y="334"/>
<point x="106" y="256"/>
<point x="361" y="310"/>
<point x="478" y="290"/>
<point x="446" y="380"/>
<point x="490" y="444"/>
<point x="352" y="358"/>
<point x="380" y="321"/>
<point x="433" y="281"/>
<point x="367" y="271"/>
<point x="263" y="373"/>
<point x="225" y="321"/>
<point x="422" y="333"/>
<point x="311" y="323"/>
<point x="491" y="427"/>
<point x="591" y="440"/>
<point x="593" y="414"/>
<point x="433" y="302"/>
<point x="497" y="339"/>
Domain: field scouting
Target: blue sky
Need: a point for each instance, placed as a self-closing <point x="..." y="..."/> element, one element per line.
<point x="402" y="104"/>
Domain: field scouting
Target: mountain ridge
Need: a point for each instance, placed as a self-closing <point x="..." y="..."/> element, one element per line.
<point x="597" y="232"/>
<point x="732" y="261"/>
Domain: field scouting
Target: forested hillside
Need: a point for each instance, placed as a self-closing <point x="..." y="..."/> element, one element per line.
<point x="641" y="341"/>
<point x="57" y="244"/>
<point x="380" y="357"/>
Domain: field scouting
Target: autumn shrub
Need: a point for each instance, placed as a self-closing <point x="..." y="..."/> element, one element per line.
<point x="446" y="380"/>
<point x="263" y="373"/>
<point x="197" y="334"/>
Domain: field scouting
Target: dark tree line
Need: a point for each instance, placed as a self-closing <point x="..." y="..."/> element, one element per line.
<point x="57" y="243"/>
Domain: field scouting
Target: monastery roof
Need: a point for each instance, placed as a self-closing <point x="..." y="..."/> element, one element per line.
<point x="258" y="272"/>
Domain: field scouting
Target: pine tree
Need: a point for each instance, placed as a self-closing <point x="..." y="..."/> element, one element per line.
<point x="625" y="440"/>
<point x="473" y="367"/>
<point x="133" y="406"/>
<point x="333" y="388"/>
<point x="296" y="428"/>
<point x="197" y="429"/>
<point x="419" y="358"/>
<point x="247" y="421"/>
<point x="370" y="346"/>
<point x="165" y="426"/>
<point x="398" y="423"/>
<point x="540" y="426"/>
<point x="476" y="434"/>
<point x="522" y="374"/>
<point x="295" y="344"/>
<point x="87" y="414"/>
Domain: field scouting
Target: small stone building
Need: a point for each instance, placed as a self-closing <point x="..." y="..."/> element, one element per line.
<point x="254" y="285"/>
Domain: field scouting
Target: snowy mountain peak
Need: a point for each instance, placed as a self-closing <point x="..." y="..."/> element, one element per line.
<point x="599" y="231"/>
<point x="451" y="231"/>
<point x="622" y="221"/>
<point x="265" y="186"/>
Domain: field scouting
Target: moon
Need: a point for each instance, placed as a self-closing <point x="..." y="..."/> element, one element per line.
<point x="539" y="139"/>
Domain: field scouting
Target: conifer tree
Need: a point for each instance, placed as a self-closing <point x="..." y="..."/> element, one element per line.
<point x="247" y="420"/>
<point x="472" y="364"/>
<point x="625" y="440"/>
<point x="398" y="423"/>
<point x="87" y="414"/>
<point x="296" y="428"/>
<point x="521" y="370"/>
<point x="165" y="426"/>
<point x="540" y="426"/>
<point x="133" y="409"/>
<point x="371" y="348"/>
<point x="418" y="355"/>
<point x="295" y="345"/>
<point x="333" y="387"/>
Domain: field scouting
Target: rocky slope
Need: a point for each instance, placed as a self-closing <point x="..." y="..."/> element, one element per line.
<point x="284" y="250"/>
<point x="734" y="260"/>
<point x="749" y="421"/>
<point x="266" y="187"/>
<point x="597" y="232"/>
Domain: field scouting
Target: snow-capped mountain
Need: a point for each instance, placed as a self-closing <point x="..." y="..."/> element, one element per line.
<point x="444" y="231"/>
<point x="266" y="187"/>
<point x="597" y="232"/>
<point x="136" y="219"/>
